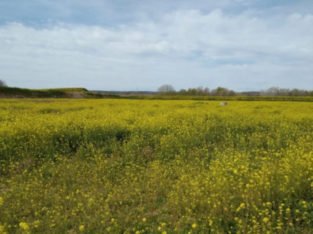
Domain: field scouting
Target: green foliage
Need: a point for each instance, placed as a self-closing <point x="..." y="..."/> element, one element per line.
<point x="148" y="166"/>
<point x="10" y="92"/>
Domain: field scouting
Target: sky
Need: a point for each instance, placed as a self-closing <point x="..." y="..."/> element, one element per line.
<point x="141" y="44"/>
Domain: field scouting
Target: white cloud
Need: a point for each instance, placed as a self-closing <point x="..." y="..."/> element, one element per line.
<point x="186" y="48"/>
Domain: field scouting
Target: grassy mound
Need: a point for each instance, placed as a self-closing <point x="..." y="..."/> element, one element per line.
<point x="12" y="92"/>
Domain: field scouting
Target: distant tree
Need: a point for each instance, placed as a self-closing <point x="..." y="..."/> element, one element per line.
<point x="2" y="84"/>
<point x="220" y="91"/>
<point x="276" y="91"/>
<point x="206" y="90"/>
<point x="273" y="91"/>
<point x="200" y="91"/>
<point x="166" y="88"/>
<point x="183" y="91"/>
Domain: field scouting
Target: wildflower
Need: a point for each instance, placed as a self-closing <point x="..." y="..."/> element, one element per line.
<point x="266" y="220"/>
<point x="210" y="222"/>
<point x="241" y="206"/>
<point x="194" y="225"/>
<point x="24" y="226"/>
<point x="144" y="220"/>
<point x="304" y="204"/>
<point x="2" y="229"/>
<point x="36" y="223"/>
<point x="81" y="228"/>
<point x="268" y="204"/>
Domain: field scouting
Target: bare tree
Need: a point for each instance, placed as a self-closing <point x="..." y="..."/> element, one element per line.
<point x="166" y="88"/>
<point x="2" y="84"/>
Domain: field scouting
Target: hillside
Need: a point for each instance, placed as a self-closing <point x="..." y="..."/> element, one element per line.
<point x="12" y="92"/>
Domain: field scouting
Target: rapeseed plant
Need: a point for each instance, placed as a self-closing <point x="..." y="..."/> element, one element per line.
<point x="138" y="166"/>
<point x="24" y="226"/>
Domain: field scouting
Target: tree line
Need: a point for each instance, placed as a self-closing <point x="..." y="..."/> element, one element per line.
<point x="222" y="91"/>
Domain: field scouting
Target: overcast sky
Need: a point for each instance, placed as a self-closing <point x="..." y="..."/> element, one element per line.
<point x="142" y="44"/>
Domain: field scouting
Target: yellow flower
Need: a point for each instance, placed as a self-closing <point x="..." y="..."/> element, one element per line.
<point x="24" y="226"/>
<point x="164" y="232"/>
<point x="2" y="229"/>
<point x="266" y="220"/>
<point x="241" y="206"/>
<point x="81" y="228"/>
<point x="194" y="225"/>
<point x="36" y="223"/>
<point x="144" y="220"/>
<point x="268" y="204"/>
<point x="210" y="222"/>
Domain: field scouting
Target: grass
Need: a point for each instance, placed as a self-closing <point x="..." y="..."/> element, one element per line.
<point x="152" y="166"/>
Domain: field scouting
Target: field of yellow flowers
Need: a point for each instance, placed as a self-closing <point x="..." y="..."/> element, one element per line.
<point x="148" y="166"/>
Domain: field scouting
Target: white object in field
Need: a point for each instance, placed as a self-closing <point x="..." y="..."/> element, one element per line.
<point x="223" y="103"/>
